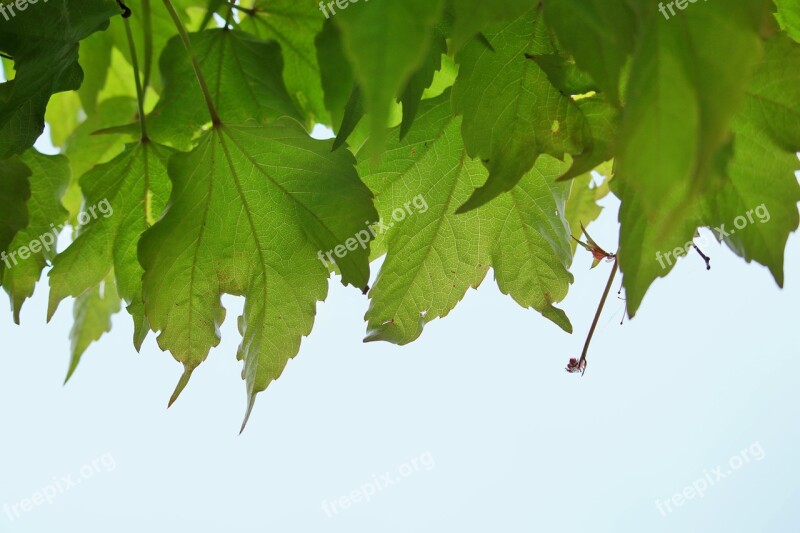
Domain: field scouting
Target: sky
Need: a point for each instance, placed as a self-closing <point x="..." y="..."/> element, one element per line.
<point x="685" y="421"/>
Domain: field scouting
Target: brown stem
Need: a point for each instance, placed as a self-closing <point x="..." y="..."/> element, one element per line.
<point x="704" y="256"/>
<point x="582" y="361"/>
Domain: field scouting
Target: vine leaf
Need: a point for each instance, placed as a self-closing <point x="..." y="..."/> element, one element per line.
<point x="160" y="29"/>
<point x="603" y="121"/>
<point x="294" y="25"/>
<point x="91" y="315"/>
<point x="15" y="190"/>
<point x="335" y="72"/>
<point x="353" y="113"/>
<point x="762" y="183"/>
<point x="599" y="33"/>
<point x="420" y="81"/>
<point x="512" y="112"/>
<point x="387" y="42"/>
<point x="788" y="16"/>
<point x="435" y="255"/>
<point x="676" y="139"/>
<point x="252" y="209"/>
<point x="44" y="45"/>
<point x="470" y="16"/>
<point x="244" y="76"/>
<point x="675" y="130"/>
<point x="124" y="197"/>
<point x="49" y="179"/>
<point x="85" y="148"/>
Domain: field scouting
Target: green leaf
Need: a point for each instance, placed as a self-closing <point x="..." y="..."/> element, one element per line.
<point x="335" y="72"/>
<point x="43" y="40"/>
<point x="14" y="193"/>
<point x="471" y="16"/>
<point x="603" y="120"/>
<point x="49" y="179"/>
<point x="353" y="113"/>
<point x="63" y="116"/>
<point x="161" y="30"/>
<point x="675" y="135"/>
<point x="95" y="60"/>
<point x="243" y="75"/>
<point x="294" y="25"/>
<point x="253" y="209"/>
<point x="420" y="81"/>
<point x="435" y="255"/>
<point x="565" y="75"/>
<point x="599" y="33"/>
<point x="582" y="208"/>
<point x="676" y="123"/>
<point x="92" y="314"/>
<point x="85" y="149"/>
<point x="387" y="42"/>
<point x="788" y="16"/>
<point x="124" y="197"/>
<point x="762" y="192"/>
<point x="512" y="113"/>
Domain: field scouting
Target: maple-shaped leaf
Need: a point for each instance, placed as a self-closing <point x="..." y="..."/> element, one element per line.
<point x="758" y="205"/>
<point x="600" y="34"/>
<point x="254" y="209"/>
<point x="387" y="42"/>
<point x="92" y="314"/>
<point x="603" y="121"/>
<point x="435" y="255"/>
<point x="294" y="25"/>
<point x="123" y="198"/>
<point x="152" y="33"/>
<point x="682" y="100"/>
<point x="15" y="189"/>
<point x="85" y="148"/>
<point x="420" y="81"/>
<point x="335" y="71"/>
<point x="669" y="155"/>
<point x="49" y="179"/>
<point x="43" y="40"/>
<point x="788" y="16"/>
<point x="472" y="16"/>
<point x="243" y="75"/>
<point x="512" y="112"/>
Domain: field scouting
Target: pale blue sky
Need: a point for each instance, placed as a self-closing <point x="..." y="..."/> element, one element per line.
<point x="502" y="438"/>
<point x="511" y="442"/>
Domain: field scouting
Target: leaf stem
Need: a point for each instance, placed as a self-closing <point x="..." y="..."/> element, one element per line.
<point x="139" y="90"/>
<point x="188" y="45"/>
<point x="147" y="22"/>
<point x="582" y="361"/>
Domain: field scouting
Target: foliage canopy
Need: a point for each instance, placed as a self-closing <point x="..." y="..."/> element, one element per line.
<point x="507" y="120"/>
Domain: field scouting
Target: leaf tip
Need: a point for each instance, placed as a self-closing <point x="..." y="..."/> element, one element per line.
<point x="187" y="374"/>
<point x="250" y="403"/>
